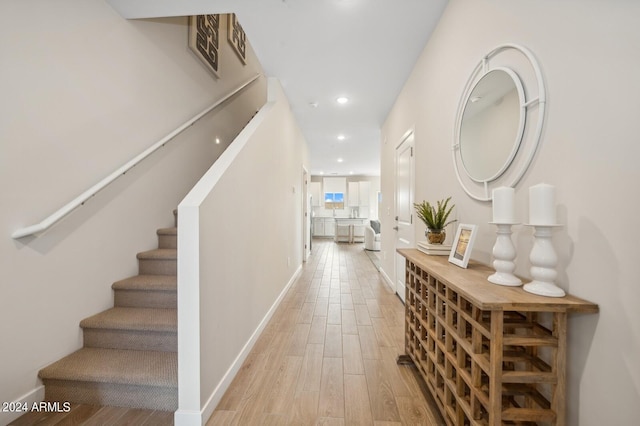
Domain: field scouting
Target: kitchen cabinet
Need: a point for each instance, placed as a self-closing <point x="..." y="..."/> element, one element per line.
<point x="359" y="193"/>
<point x="354" y="194"/>
<point x="364" y="192"/>
<point x="324" y="227"/>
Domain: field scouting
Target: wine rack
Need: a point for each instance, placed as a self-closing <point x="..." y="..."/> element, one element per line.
<point x="489" y="354"/>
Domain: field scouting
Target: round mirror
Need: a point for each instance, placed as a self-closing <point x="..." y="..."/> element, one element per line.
<point x="492" y="125"/>
<point x="499" y="121"/>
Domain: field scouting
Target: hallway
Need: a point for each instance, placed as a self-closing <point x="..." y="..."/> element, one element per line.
<point x="328" y="355"/>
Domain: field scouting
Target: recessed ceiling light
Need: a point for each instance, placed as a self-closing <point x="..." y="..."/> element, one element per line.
<point x="217" y="141"/>
<point x="340" y="160"/>
<point x="476" y="99"/>
<point x="321" y="173"/>
<point x="341" y="137"/>
<point x="313" y="104"/>
<point x="350" y="173"/>
<point x="342" y="100"/>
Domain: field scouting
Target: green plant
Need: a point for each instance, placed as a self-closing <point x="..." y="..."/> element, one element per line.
<point x="435" y="217"/>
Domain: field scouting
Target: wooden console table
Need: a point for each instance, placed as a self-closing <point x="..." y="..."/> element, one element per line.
<point x="489" y="354"/>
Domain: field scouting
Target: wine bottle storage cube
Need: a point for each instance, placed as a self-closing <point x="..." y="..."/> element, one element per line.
<point x="486" y="353"/>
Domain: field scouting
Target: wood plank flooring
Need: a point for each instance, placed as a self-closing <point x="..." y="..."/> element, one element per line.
<point x="327" y="357"/>
<point x="92" y="415"/>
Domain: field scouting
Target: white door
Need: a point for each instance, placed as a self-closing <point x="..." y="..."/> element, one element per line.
<point x="306" y="220"/>
<point x="404" y="207"/>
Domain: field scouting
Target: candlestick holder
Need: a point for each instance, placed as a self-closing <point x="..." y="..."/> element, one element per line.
<point x="543" y="264"/>
<point x="504" y="253"/>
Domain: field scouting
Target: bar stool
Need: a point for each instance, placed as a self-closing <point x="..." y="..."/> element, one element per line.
<point x="343" y="233"/>
<point x="357" y="233"/>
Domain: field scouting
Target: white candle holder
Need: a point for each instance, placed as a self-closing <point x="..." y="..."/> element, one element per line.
<point x="543" y="264"/>
<point x="504" y="253"/>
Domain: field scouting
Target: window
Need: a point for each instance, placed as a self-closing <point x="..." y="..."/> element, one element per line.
<point x="334" y="200"/>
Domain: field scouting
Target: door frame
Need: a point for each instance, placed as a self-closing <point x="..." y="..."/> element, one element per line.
<point x="306" y="215"/>
<point x="410" y="132"/>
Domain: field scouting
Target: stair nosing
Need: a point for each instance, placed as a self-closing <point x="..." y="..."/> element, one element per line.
<point x="130" y="371"/>
<point x="167" y="231"/>
<point x="168" y="283"/>
<point x="105" y="320"/>
<point x="158" y="254"/>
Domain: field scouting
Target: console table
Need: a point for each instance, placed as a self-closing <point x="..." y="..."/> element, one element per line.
<point x="489" y="354"/>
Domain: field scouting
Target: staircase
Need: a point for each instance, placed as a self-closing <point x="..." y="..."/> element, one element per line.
<point x="129" y="358"/>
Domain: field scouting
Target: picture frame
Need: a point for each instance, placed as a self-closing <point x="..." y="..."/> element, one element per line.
<point x="204" y="40"/>
<point x="463" y="244"/>
<point x="237" y="37"/>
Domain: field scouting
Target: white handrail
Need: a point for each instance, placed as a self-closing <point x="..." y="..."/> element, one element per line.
<point x="82" y="198"/>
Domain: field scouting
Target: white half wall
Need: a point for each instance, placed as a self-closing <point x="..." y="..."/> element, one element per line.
<point x="588" y="52"/>
<point x="241" y="230"/>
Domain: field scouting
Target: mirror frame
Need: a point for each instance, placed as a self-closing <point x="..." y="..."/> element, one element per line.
<point x="531" y="91"/>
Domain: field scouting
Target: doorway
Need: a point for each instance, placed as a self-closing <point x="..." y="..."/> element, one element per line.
<point x="404" y="171"/>
<point x="306" y="216"/>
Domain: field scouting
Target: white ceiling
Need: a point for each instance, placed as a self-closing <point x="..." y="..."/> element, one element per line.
<point x="323" y="49"/>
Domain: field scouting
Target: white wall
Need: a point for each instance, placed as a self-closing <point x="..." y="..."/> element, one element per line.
<point x="84" y="91"/>
<point x="242" y="231"/>
<point x="588" y="51"/>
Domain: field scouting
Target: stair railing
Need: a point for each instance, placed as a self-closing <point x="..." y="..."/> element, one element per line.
<point x="82" y="198"/>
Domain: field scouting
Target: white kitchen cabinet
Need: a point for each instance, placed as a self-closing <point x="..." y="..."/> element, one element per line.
<point x="318" y="227"/>
<point x="354" y="194"/>
<point x="324" y="227"/>
<point x="359" y="193"/>
<point x="364" y="192"/>
<point x="329" y="227"/>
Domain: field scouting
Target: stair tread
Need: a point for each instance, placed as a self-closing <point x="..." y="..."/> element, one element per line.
<point x="128" y="367"/>
<point x="167" y="231"/>
<point x="147" y="282"/>
<point x="160" y="254"/>
<point x="134" y="319"/>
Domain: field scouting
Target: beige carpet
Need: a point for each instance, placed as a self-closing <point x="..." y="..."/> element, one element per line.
<point x="129" y="358"/>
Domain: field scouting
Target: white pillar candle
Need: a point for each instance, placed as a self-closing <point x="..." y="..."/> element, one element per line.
<point x="503" y="205"/>
<point x="542" y="204"/>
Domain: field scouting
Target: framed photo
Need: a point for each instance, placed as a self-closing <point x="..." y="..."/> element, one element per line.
<point x="237" y="38"/>
<point x="204" y="40"/>
<point x="462" y="245"/>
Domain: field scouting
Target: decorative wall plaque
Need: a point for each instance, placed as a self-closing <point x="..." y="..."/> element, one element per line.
<point x="237" y="37"/>
<point x="204" y="39"/>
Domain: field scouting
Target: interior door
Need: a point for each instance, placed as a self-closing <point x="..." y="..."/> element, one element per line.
<point x="306" y="216"/>
<point x="404" y="207"/>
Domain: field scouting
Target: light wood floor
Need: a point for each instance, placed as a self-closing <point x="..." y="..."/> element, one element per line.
<point x="93" y="415"/>
<point x="328" y="355"/>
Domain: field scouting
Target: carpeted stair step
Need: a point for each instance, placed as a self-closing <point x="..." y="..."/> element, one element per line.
<point x="142" y="329"/>
<point x="122" y="378"/>
<point x="146" y="291"/>
<point x="158" y="262"/>
<point x="167" y="238"/>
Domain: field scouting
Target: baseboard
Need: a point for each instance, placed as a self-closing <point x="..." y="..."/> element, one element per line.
<point x="189" y="418"/>
<point x="35" y="395"/>
<point x="387" y="280"/>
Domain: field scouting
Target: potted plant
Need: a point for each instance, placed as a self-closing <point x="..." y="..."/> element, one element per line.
<point x="435" y="218"/>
